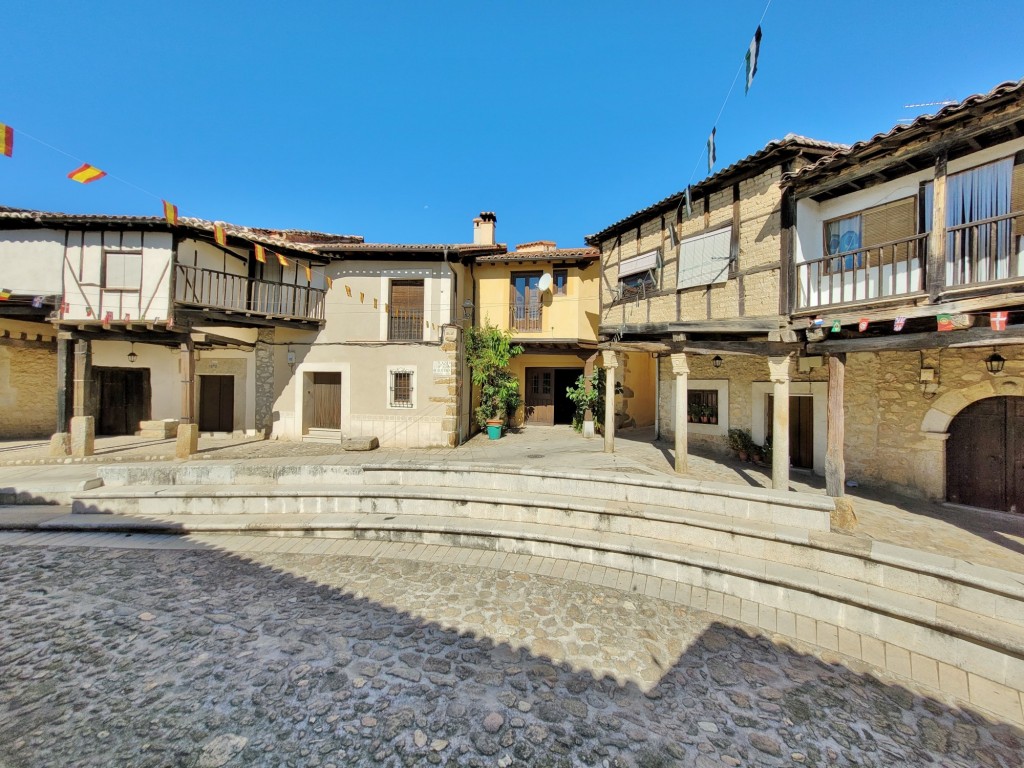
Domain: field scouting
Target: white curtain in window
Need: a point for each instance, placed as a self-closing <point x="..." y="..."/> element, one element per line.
<point x="978" y="253"/>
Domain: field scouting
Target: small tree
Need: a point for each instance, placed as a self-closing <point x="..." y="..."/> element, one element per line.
<point x="488" y="352"/>
<point x="592" y="400"/>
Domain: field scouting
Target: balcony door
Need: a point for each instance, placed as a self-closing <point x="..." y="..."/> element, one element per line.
<point x="525" y="302"/>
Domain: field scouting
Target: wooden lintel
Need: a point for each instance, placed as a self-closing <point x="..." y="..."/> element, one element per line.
<point x="655" y="347"/>
<point x="918" y="306"/>
<point x="758" y="348"/>
<point x="970" y="337"/>
<point x="24" y="343"/>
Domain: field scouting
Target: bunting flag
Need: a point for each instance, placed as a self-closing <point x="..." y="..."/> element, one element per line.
<point x="170" y="322"/>
<point x="65" y="307"/>
<point x="128" y="318"/>
<point x="329" y="281"/>
<point x="37" y="302"/>
<point x="107" y="318"/>
<point x="836" y="326"/>
<point x="348" y="291"/>
<point x="88" y="311"/>
<point x="385" y="309"/>
<point x="862" y="324"/>
<point x="362" y="297"/>
<point x="689" y="202"/>
<point x="281" y="260"/>
<point x="374" y="303"/>
<point x="898" y="323"/>
<point x="5" y="294"/>
<point x="945" y="322"/>
<point x="711" y="150"/>
<point x="6" y="140"/>
<point x="309" y="274"/>
<point x="997" y="320"/>
<point x="220" y="236"/>
<point x="170" y="213"/>
<point x="86" y="174"/>
<point x="818" y="322"/>
<point x="260" y="252"/>
<point x="752" y="53"/>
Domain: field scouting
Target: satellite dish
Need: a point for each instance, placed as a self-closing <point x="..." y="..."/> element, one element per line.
<point x="544" y="283"/>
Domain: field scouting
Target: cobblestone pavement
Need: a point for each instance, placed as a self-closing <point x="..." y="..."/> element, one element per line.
<point x="185" y="655"/>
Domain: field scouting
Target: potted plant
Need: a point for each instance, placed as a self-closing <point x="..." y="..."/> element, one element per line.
<point x="705" y="411"/>
<point x="590" y="400"/>
<point x="488" y="351"/>
<point x="741" y="442"/>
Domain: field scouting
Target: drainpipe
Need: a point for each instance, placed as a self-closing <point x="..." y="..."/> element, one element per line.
<point x="455" y="287"/>
<point x="657" y="397"/>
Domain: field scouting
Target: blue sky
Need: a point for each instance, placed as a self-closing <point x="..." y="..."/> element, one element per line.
<point x="400" y="121"/>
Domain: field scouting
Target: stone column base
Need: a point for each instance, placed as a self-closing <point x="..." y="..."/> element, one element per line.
<point x="588" y="428"/>
<point x="60" y="444"/>
<point x="188" y="441"/>
<point x="83" y="436"/>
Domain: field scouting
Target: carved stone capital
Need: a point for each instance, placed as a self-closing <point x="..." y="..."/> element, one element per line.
<point x="679" y="364"/>
<point x="778" y="368"/>
<point x="609" y="359"/>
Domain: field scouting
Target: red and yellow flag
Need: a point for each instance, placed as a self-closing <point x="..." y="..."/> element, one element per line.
<point x="219" y="235"/>
<point x="348" y="291"/>
<point x="261" y="253"/>
<point x="5" y="294"/>
<point x="86" y="174"/>
<point x="170" y="213"/>
<point x="309" y="274"/>
<point x="329" y="281"/>
<point x="281" y="260"/>
<point x="6" y="140"/>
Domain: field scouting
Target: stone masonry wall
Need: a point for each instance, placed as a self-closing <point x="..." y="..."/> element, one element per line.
<point x="265" y="387"/>
<point x="28" y="392"/>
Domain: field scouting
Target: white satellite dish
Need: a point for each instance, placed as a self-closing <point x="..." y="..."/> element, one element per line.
<point x="544" y="284"/>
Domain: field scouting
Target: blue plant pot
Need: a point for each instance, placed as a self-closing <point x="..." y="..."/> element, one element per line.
<point x="494" y="431"/>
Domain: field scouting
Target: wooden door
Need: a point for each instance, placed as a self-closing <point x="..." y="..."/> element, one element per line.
<point x="326" y="401"/>
<point x="120" y="399"/>
<point x="985" y="455"/>
<point x="801" y="429"/>
<point x="216" y="403"/>
<point x="540" y="396"/>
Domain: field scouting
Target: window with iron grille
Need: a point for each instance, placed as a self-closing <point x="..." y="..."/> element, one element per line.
<point x="702" y="405"/>
<point x="402" y="389"/>
<point x="405" y="311"/>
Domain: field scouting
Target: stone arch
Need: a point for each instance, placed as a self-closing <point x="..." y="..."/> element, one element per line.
<point x="938" y="417"/>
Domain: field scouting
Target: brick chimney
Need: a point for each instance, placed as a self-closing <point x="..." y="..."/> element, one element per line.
<point x="483" y="228"/>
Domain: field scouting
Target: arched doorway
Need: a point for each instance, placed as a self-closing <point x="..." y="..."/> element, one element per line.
<point x="985" y="455"/>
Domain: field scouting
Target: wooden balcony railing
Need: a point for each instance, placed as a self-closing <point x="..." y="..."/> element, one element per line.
<point x="877" y="272"/>
<point x="405" y="325"/>
<point x="985" y="251"/>
<point x="525" y="318"/>
<point x="236" y="293"/>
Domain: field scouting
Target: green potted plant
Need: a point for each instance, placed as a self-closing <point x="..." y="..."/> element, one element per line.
<point x="741" y="442"/>
<point x="488" y="352"/>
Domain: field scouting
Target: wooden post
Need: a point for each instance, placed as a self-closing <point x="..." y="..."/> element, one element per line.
<point x="682" y="372"/>
<point x="83" y="376"/>
<point x="610" y="364"/>
<point x="835" y="464"/>
<point x="65" y="382"/>
<point x="188" y="375"/>
<point x="936" y="275"/>
<point x="778" y="368"/>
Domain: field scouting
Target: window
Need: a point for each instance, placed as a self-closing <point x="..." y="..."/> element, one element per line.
<point x="405" y="311"/>
<point x="842" y="236"/>
<point x="702" y="406"/>
<point x="704" y="259"/>
<point x="637" y="274"/>
<point x="401" y="389"/>
<point x="122" y="271"/>
<point x="525" y="303"/>
<point x="561" y="282"/>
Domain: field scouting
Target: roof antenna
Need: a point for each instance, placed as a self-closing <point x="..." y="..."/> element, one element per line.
<point x="943" y="103"/>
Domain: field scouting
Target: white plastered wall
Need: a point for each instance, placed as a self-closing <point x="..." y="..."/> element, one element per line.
<point x="817" y="390"/>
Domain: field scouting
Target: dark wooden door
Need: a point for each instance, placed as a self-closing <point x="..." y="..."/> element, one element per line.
<point x="564" y="408"/>
<point x="985" y="455"/>
<point x="801" y="432"/>
<point x="540" y="396"/>
<point x="120" y="399"/>
<point x="216" y="403"/>
<point x="326" y="401"/>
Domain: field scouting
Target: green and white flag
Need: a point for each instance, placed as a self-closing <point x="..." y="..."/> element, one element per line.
<point x="752" y="52"/>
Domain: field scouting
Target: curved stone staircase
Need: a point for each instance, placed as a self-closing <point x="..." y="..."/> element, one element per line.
<point x="761" y="557"/>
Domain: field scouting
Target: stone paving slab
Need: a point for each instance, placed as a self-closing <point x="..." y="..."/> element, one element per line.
<point x="150" y="651"/>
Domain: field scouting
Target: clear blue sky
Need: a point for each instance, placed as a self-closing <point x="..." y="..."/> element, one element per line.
<point x="400" y="121"/>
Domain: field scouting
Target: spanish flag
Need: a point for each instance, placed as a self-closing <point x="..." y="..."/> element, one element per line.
<point x="5" y="294"/>
<point x="170" y="213"/>
<point x="261" y="253"/>
<point x="6" y="140"/>
<point x="86" y="174"/>
<point x="220" y="237"/>
<point x="281" y="260"/>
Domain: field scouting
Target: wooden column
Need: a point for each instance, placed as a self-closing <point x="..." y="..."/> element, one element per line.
<point x="83" y="378"/>
<point x="682" y="373"/>
<point x="588" y="415"/>
<point x="188" y="375"/>
<point x="610" y="364"/>
<point x="778" y="368"/>
<point x="65" y="381"/>
<point x="835" y="464"/>
<point x="936" y="275"/>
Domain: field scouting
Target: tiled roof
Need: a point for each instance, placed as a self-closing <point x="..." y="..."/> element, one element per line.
<point x="453" y="248"/>
<point x="283" y="239"/>
<point x="755" y="160"/>
<point x="555" y="254"/>
<point x="919" y="128"/>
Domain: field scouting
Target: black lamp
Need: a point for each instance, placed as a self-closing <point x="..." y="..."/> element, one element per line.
<point x="995" y="363"/>
<point x="467" y="310"/>
<point x="132" y="357"/>
<point x="717" y="361"/>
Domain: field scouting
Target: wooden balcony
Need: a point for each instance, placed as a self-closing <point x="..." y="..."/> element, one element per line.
<point x="895" y="268"/>
<point x="237" y="294"/>
<point x="526" y="318"/>
<point x="986" y="251"/>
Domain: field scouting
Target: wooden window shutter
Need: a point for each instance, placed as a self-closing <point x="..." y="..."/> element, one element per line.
<point x="893" y="221"/>
<point x="406" y="296"/>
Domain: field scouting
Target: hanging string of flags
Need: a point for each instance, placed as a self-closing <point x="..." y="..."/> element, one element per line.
<point x="944" y="321"/>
